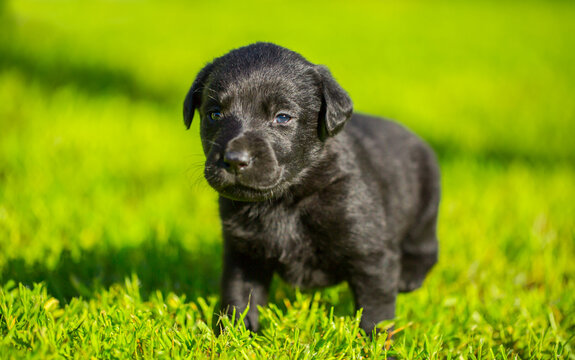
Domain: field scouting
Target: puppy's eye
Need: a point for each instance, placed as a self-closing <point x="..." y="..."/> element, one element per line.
<point x="282" y="118"/>
<point x="215" y="115"/>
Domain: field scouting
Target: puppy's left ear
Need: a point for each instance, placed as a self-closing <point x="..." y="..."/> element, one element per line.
<point x="194" y="98"/>
<point x="336" y="106"/>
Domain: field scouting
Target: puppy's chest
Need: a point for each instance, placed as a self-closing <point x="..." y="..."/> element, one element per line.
<point x="291" y="240"/>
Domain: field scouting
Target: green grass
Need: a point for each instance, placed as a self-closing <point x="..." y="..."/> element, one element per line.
<point x="109" y="238"/>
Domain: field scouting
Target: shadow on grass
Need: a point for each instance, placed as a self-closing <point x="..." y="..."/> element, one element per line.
<point x="94" y="79"/>
<point x="165" y="267"/>
<point x="57" y="68"/>
<point x="448" y="151"/>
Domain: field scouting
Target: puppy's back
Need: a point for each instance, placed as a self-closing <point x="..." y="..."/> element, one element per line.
<point x="403" y="168"/>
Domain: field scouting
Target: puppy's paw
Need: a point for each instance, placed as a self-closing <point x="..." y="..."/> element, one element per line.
<point x="408" y="285"/>
<point x="414" y="269"/>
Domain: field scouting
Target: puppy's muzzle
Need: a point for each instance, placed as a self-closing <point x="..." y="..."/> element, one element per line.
<point x="251" y="160"/>
<point x="245" y="168"/>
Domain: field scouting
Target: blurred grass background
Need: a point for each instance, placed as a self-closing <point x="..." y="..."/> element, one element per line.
<point x="99" y="180"/>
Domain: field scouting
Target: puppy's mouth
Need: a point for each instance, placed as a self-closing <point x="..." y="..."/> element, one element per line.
<point x="240" y="192"/>
<point x="252" y="185"/>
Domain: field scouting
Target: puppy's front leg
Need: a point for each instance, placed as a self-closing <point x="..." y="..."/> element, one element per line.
<point x="245" y="279"/>
<point x="374" y="285"/>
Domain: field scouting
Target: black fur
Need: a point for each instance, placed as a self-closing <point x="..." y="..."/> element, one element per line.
<point x="310" y="199"/>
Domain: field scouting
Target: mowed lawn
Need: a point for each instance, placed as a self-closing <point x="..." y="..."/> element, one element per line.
<point x="110" y="241"/>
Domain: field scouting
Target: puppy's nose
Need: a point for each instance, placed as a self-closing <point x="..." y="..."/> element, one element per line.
<point x="237" y="160"/>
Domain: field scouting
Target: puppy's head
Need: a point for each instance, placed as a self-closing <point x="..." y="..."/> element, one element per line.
<point x="265" y="115"/>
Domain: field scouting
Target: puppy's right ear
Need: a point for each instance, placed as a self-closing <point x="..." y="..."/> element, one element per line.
<point x="194" y="98"/>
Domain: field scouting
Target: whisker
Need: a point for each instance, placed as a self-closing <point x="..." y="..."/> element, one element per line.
<point x="211" y="97"/>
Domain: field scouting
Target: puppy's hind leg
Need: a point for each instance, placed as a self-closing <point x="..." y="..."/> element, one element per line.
<point x="374" y="286"/>
<point x="419" y="252"/>
<point x="419" y="248"/>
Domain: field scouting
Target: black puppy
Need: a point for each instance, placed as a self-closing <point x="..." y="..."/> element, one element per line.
<point x="304" y="196"/>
